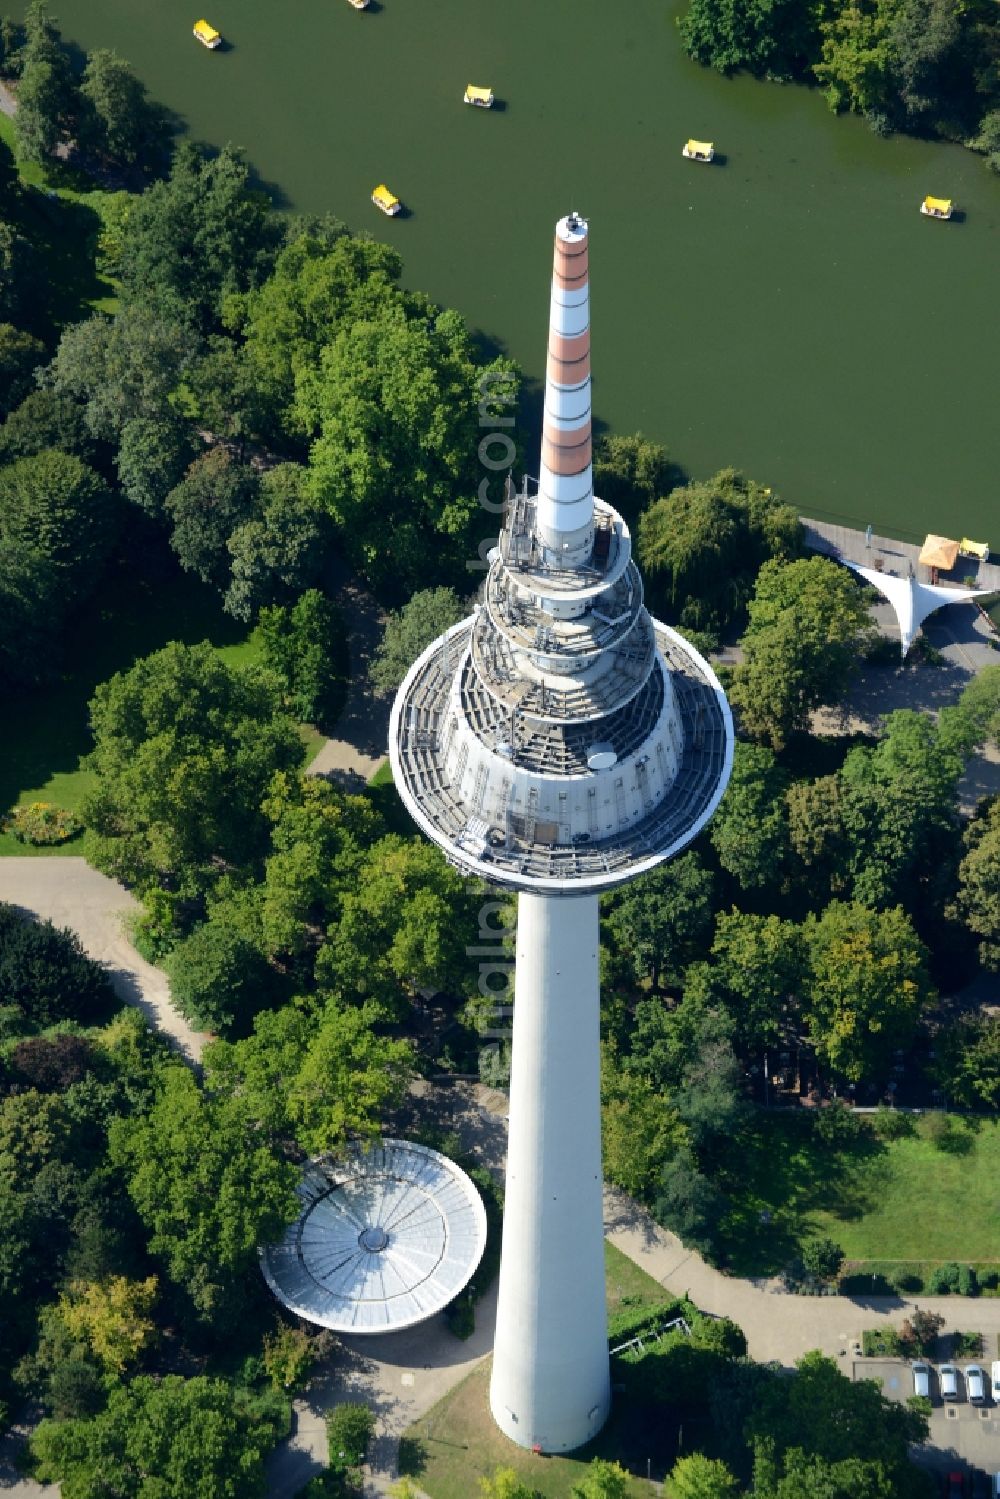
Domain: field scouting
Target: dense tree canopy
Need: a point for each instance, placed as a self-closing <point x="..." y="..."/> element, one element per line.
<point x="206" y="1187"/>
<point x="184" y="750"/>
<point x="163" y="1437"/>
<point x="197" y="237"/>
<point x="750" y="830"/>
<point x="20" y="355"/>
<point x="808" y="625"/>
<point x="408" y="631"/>
<point x="867" y="986"/>
<point x="400" y="925"/>
<point x="701" y="547"/>
<point x="978" y="898"/>
<point x="394" y="402"/>
<point x="662" y="921"/>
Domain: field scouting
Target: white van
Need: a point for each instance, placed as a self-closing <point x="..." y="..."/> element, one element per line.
<point x="975" y="1384"/>
<point x="996" y="1486"/>
<point x="948" y="1374"/>
<point x="922" y="1379"/>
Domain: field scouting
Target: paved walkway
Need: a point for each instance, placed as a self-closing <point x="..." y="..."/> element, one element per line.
<point x="962" y="637"/>
<point x="67" y="892"/>
<point x="8" y="104"/>
<point x="353" y="757"/>
<point x="851" y="545"/>
<point x="400" y="1377"/>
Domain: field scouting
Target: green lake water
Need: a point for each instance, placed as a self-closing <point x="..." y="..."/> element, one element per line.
<point x="788" y="312"/>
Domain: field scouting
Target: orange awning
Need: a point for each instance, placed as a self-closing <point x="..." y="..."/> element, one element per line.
<point x="939" y="552"/>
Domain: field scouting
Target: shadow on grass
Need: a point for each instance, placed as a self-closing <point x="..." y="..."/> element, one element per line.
<point x="47" y="730"/>
<point x="785" y="1172"/>
<point x="63" y="233"/>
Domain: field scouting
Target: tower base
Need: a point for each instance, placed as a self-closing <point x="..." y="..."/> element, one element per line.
<point x="551" y="1384"/>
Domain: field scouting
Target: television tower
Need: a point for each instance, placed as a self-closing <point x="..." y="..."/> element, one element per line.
<point x="558" y="743"/>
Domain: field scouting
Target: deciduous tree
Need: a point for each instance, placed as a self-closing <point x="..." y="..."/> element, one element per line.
<point x="867" y="986"/>
<point x="117" y="119"/>
<point x="700" y="1477"/>
<point x="185" y="748"/>
<point x="20" y="355"/>
<point x="215" y="497"/>
<point x="662" y="921"/>
<point x="304" y="645"/>
<point x="111" y="1318"/>
<point x="808" y="625"/>
<point x="750" y="830"/>
<point x="408" y="631"/>
<point x="208" y="1189"/>
<point x="199" y="1437"/>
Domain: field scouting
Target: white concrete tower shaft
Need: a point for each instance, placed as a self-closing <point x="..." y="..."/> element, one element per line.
<point x="550" y="1386"/>
<point x="558" y="743"/>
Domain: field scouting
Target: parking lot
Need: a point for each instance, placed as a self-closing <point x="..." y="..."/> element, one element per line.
<point x="962" y="1435"/>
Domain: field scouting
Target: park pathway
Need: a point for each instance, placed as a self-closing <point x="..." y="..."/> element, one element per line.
<point x="359" y="748"/>
<point x="898" y="557"/>
<point x="67" y="892"/>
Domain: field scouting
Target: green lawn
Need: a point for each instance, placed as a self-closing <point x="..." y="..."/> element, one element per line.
<point x="455" y="1444"/>
<point x="905" y="1200"/>
<point x="47" y="732"/>
<point x="924" y="1203"/>
<point x="627" y="1285"/>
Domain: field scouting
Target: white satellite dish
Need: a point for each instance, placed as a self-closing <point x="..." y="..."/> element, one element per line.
<point x="601" y="757"/>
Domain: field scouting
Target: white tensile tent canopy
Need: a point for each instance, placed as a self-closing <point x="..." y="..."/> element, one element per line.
<point x="913" y="601"/>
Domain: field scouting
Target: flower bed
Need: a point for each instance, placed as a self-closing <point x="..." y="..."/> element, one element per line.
<point x="42" y="823"/>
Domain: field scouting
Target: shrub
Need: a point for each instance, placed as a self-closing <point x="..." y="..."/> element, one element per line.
<point x="967" y="1344"/>
<point x="837" y="1125"/>
<point x="349" y="1429"/>
<point x="154" y="931"/>
<point x="822" y="1258"/>
<point x="494" y="1065"/>
<point x="42" y="823"/>
<point x="919" y="1332"/>
<point x="968" y="1285"/>
<point x="881" y="1342"/>
<point x="47" y="975"/>
<point x="288" y="1357"/>
<point x="936" y="1128"/>
<point x="892" y="1124"/>
<point x="53" y="1063"/>
<point x="944" y="1280"/>
<point x="462" y="1317"/>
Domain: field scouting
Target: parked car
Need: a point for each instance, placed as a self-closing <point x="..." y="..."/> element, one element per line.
<point x="975" y="1384"/>
<point x="996" y="1486"/>
<point x="922" y="1379"/>
<point x="995" y="1380"/>
<point x="949" y="1381"/>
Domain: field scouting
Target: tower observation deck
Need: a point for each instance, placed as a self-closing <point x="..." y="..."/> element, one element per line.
<point x="559" y="742"/>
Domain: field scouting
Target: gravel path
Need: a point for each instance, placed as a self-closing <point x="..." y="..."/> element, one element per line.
<point x="70" y="894"/>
